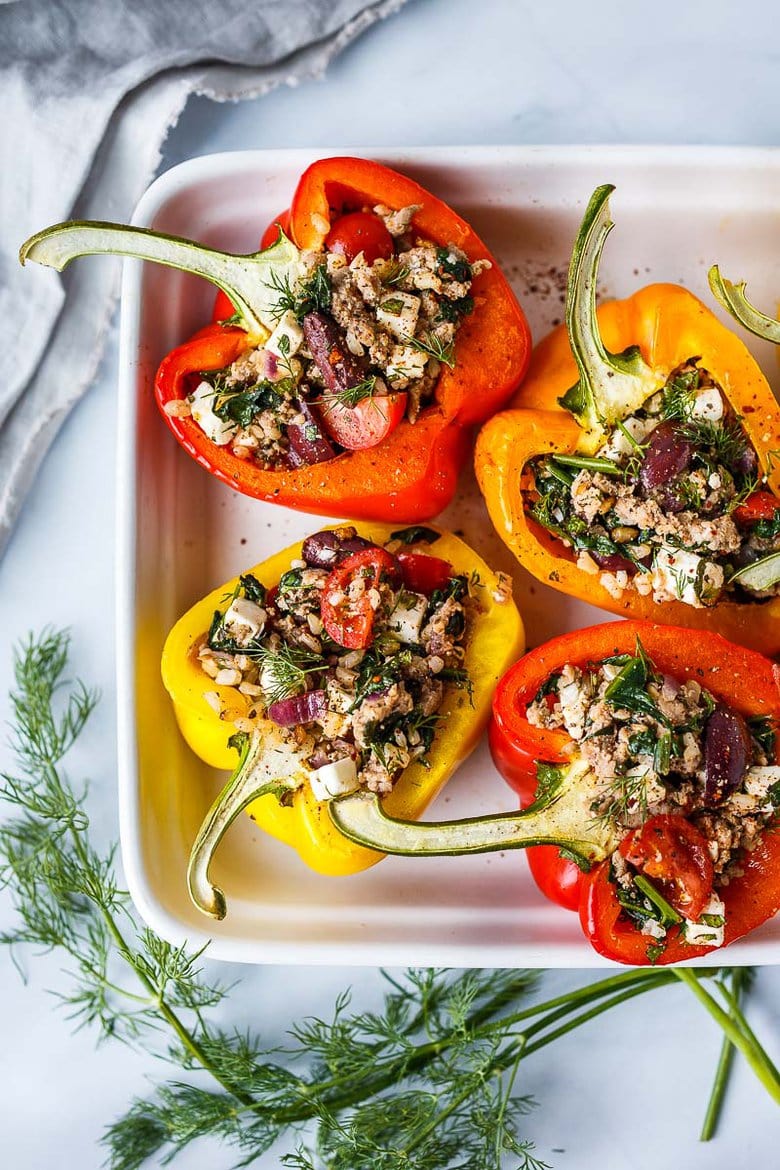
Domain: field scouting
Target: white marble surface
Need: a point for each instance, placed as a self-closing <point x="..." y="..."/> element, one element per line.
<point x="446" y="71"/>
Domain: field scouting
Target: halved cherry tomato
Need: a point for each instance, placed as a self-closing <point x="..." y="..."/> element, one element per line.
<point x="346" y="609"/>
<point x="759" y="506"/>
<point x="360" y="231"/>
<point x="424" y="574"/>
<point x="364" y="425"/>
<point x="673" y="852"/>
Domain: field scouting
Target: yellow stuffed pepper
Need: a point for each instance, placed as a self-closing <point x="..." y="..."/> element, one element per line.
<point x="360" y="658"/>
<point x="640" y="467"/>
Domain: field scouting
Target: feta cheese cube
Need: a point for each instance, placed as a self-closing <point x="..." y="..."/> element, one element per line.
<point x="398" y="312"/>
<point x="335" y="779"/>
<point x="287" y="327"/>
<point x="213" y="427"/>
<point x="406" y="620"/>
<point x="243" y="620"/>
<point x="703" y="934"/>
<point x="708" y="405"/>
<point x="685" y="576"/>
<point x="405" y="363"/>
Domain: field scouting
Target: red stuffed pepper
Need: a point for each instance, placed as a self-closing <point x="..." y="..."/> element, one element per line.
<point x="348" y="358"/>
<point x="679" y="730"/>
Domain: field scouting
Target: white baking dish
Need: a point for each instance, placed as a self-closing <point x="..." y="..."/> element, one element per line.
<point x="181" y="533"/>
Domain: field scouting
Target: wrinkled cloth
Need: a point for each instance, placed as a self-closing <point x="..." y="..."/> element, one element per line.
<point x="89" y="89"/>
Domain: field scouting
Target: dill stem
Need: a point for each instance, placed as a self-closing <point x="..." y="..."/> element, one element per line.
<point x="723" y="1070"/>
<point x="738" y="1031"/>
<point x="585" y="1017"/>
<point x="166" y="1011"/>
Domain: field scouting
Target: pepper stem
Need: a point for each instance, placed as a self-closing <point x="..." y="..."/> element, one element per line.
<point x="611" y="386"/>
<point x="557" y="818"/>
<point x="733" y="299"/>
<point x="252" y="282"/>
<point x="250" y="780"/>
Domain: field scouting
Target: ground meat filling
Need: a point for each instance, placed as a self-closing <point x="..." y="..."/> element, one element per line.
<point x="394" y="322"/>
<point x="659" y="508"/>
<point x="656" y="747"/>
<point x="360" y="717"/>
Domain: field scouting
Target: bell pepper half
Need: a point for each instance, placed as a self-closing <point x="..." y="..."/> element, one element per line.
<point x="270" y="783"/>
<point x="604" y="364"/>
<point x="410" y="472"/>
<point x="742" y="679"/>
<point x="570" y="849"/>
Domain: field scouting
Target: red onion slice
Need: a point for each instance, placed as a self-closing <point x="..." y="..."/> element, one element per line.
<point x="300" y="709"/>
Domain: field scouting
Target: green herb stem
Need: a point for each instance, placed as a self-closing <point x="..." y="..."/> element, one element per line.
<point x="737" y="1030"/>
<point x="739" y="978"/>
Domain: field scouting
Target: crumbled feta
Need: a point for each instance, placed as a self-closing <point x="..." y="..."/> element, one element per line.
<point x="287" y="327"/>
<point x="619" y="444"/>
<point x="703" y="934"/>
<point x="406" y="620"/>
<point x="213" y="427"/>
<point x="398" y="312"/>
<point x="243" y="620"/>
<point x="574" y="696"/>
<point x="708" y="405"/>
<point x="685" y="575"/>
<point x="335" y="779"/>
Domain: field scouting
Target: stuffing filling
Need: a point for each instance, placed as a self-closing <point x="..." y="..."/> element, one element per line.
<point x="665" y="506"/>
<point x="346" y="333"/>
<point x="661" y="753"/>
<point x="355" y="717"/>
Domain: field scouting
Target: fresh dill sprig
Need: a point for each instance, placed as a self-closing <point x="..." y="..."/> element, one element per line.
<point x="283" y="672"/>
<point x="354" y="394"/>
<point x="426" y="1082"/>
<point x="313" y="294"/>
<point x="434" y="347"/>
<point x="725" y="443"/>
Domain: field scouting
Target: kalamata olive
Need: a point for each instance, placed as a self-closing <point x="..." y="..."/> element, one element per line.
<point x="668" y="455"/>
<point x="727" y="752"/>
<point x="340" y="369"/>
<point x="746" y="462"/>
<point x="613" y="562"/>
<point x="308" y="443"/>
<point x="324" y="549"/>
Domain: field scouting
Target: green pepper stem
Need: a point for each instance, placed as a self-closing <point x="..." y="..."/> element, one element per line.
<point x="559" y="818"/>
<point x="734" y="301"/>
<point x="250" y="780"/>
<point x="245" y="279"/>
<point x="611" y="386"/>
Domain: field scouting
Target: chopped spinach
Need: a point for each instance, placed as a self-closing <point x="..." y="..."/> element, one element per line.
<point x="455" y="311"/>
<point x="453" y="266"/>
<point x="763" y="730"/>
<point x="416" y="534"/>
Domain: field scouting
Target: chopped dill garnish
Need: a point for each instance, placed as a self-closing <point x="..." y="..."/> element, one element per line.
<point x="283" y="672"/>
<point x="434" y="347"/>
<point x="354" y="394"/>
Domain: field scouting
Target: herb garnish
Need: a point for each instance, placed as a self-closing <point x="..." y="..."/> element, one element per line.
<point x="283" y="672"/>
<point x="307" y="296"/>
<point x="434" y="347"/>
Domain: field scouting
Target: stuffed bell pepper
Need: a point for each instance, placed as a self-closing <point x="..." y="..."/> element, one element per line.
<point x="647" y="756"/>
<point x="641" y="471"/>
<point x="348" y="358"/>
<point x="362" y="660"/>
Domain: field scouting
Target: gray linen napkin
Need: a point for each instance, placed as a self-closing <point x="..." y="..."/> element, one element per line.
<point x="88" y="91"/>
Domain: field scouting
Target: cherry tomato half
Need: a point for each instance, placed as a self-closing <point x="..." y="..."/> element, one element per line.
<point x="346" y="609"/>
<point x="364" y="425"/>
<point x="422" y="573"/>
<point x="672" y="851"/>
<point x="759" y="506"/>
<point x="360" y="231"/>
